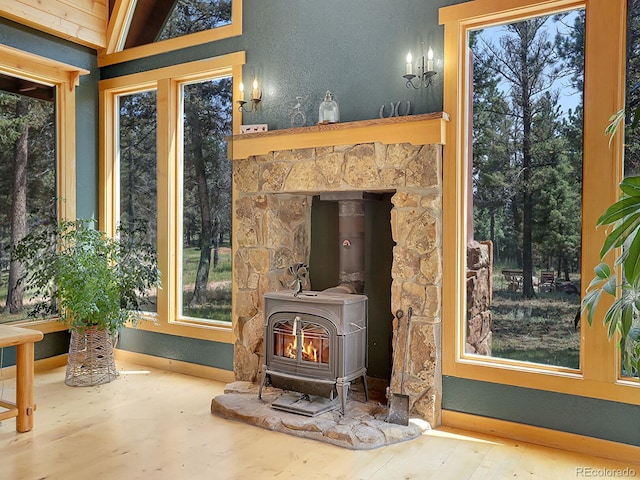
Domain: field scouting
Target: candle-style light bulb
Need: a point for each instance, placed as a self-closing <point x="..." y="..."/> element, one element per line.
<point x="430" y="60"/>
<point x="241" y="88"/>
<point x="409" y="64"/>
<point x="256" y="92"/>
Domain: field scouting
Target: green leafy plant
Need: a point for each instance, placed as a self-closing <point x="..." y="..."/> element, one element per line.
<point x="85" y="277"/>
<point x="623" y="222"/>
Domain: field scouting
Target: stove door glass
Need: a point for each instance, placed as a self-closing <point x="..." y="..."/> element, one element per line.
<point x="301" y="340"/>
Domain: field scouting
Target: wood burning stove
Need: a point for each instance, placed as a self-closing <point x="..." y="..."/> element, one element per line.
<point x="315" y="343"/>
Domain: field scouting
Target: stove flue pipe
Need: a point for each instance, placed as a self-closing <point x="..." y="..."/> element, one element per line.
<point x="351" y="226"/>
<point x="351" y="236"/>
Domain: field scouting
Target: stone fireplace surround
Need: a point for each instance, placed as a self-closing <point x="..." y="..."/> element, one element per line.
<point x="275" y="176"/>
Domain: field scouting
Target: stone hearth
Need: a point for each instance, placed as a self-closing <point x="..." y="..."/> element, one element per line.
<point x="275" y="176"/>
<point x="363" y="427"/>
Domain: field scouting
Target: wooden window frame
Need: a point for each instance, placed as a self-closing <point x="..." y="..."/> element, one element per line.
<point x="118" y="27"/>
<point x="166" y="81"/>
<point x="599" y="373"/>
<point x="64" y="78"/>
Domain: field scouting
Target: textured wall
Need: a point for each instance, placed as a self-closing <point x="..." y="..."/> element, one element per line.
<point x="356" y="49"/>
<point x="604" y="419"/>
<point x="191" y="350"/>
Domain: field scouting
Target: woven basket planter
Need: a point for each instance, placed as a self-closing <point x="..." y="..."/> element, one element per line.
<point x="91" y="359"/>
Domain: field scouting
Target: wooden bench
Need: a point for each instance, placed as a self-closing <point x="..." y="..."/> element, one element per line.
<point x="514" y="278"/>
<point x="547" y="281"/>
<point x="23" y="408"/>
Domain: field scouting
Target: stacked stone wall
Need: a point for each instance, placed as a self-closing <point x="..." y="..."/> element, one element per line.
<point x="272" y="230"/>
<point x="479" y="292"/>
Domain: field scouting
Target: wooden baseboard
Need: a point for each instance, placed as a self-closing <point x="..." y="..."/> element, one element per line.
<point x="543" y="436"/>
<point x="186" y="368"/>
<point x="39" y="365"/>
<point x="51" y="362"/>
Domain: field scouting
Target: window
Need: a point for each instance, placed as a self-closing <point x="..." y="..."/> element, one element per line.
<point x="137" y="166"/>
<point x="140" y="29"/>
<point x="632" y="90"/>
<point x="27" y="179"/>
<point x="168" y="152"/>
<point x="632" y="95"/>
<point x="37" y="113"/>
<point x="206" y="200"/>
<point x="526" y="156"/>
<point x="191" y="16"/>
<point x="595" y="370"/>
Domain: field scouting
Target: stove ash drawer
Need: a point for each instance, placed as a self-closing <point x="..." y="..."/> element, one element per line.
<point x="311" y="386"/>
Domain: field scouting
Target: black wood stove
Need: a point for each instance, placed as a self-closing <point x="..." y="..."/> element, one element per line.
<point x="315" y="344"/>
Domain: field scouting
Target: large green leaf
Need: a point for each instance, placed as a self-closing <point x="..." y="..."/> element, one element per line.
<point x="621" y="258"/>
<point x="619" y="210"/>
<point x="627" y="320"/>
<point x="615" y="312"/>
<point x="632" y="261"/>
<point x="611" y="286"/>
<point x="620" y="234"/>
<point x="590" y="303"/>
<point x="596" y="283"/>
<point x="631" y="186"/>
<point x="615" y="121"/>
<point x="603" y="271"/>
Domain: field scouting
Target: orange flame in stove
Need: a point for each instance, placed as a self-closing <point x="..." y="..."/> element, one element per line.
<point x="291" y="349"/>
<point x="309" y="351"/>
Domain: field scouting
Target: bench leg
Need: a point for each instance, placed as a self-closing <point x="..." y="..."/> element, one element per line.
<point x="24" y="386"/>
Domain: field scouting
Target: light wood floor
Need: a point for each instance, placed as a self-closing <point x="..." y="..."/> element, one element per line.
<point x="157" y="425"/>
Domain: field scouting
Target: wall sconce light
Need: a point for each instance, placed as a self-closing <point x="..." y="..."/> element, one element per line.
<point x="425" y="72"/>
<point x="256" y="97"/>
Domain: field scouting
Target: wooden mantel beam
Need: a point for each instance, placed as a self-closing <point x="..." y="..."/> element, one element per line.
<point x="415" y="129"/>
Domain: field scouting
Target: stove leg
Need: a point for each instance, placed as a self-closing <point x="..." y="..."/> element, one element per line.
<point x="366" y="389"/>
<point x="263" y="381"/>
<point x="343" y="391"/>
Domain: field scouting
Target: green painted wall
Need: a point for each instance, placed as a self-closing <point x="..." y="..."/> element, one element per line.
<point x="51" y="345"/>
<point x="356" y="49"/>
<point x="192" y="350"/>
<point x="618" y="422"/>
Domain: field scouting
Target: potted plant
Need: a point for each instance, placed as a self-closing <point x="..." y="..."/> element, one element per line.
<point x="92" y="282"/>
<point x="620" y="279"/>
